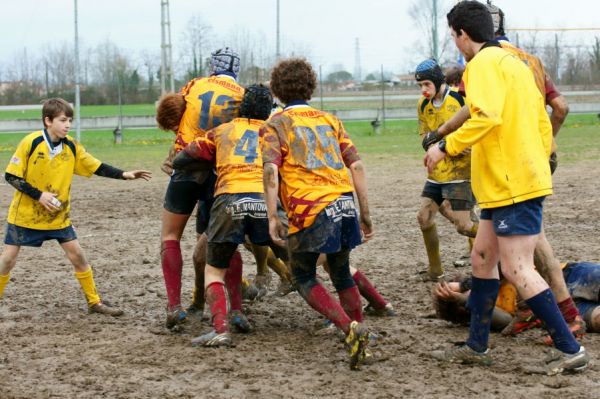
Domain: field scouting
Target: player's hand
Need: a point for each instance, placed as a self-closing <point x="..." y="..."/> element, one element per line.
<point x="432" y="157"/>
<point x="553" y="162"/>
<point x="167" y="167"/>
<point x="137" y="174"/>
<point x="366" y="226"/>
<point x="442" y="290"/>
<point x="430" y="138"/>
<point x="50" y="202"/>
<point x="277" y="231"/>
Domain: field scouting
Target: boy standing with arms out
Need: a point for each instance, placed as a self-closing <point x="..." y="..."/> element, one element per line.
<point x="310" y="151"/>
<point x="450" y="179"/>
<point x="511" y="137"/>
<point x="46" y="160"/>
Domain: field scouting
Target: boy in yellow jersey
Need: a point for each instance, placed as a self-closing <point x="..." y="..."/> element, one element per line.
<point x="450" y="179"/>
<point x="310" y="152"/>
<point x="206" y="103"/>
<point x="239" y="208"/>
<point x="41" y="170"/>
<point x="511" y="136"/>
<point x="547" y="264"/>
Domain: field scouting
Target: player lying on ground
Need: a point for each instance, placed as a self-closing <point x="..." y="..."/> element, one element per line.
<point x="583" y="282"/>
<point x="309" y="151"/>
<point x="41" y="170"/>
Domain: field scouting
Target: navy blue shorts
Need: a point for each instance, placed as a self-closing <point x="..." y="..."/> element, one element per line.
<point x="184" y="193"/>
<point x="522" y="218"/>
<point x="459" y="195"/>
<point x="25" y="237"/>
<point x="335" y="228"/>
<point x="583" y="283"/>
<point x="233" y="216"/>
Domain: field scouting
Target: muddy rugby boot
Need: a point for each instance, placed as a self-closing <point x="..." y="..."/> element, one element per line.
<point x="463" y="354"/>
<point x="357" y="341"/>
<point x="175" y="317"/>
<point x="387" y="311"/>
<point x="239" y="322"/>
<point x="105" y="308"/>
<point x="524" y="320"/>
<point x="577" y="327"/>
<point x="284" y="288"/>
<point x="558" y="362"/>
<point x="213" y="339"/>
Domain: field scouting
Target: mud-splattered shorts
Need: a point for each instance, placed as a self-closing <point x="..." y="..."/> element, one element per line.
<point x="183" y="193"/>
<point x="335" y="228"/>
<point x="459" y="195"/>
<point x="522" y="218"/>
<point x="25" y="237"/>
<point x="583" y="283"/>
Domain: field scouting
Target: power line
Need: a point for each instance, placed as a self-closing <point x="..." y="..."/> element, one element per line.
<point x="553" y="29"/>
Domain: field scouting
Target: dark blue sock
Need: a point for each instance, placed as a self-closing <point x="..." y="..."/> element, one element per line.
<point x="545" y="308"/>
<point x="482" y="300"/>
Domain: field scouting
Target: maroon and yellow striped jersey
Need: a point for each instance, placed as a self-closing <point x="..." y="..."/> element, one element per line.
<point x="209" y="102"/>
<point x="312" y="150"/>
<point x="235" y="147"/>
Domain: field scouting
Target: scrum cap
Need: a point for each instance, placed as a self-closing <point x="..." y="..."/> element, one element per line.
<point x="257" y="103"/>
<point x="430" y="70"/>
<point x="225" y="60"/>
<point x="497" y="18"/>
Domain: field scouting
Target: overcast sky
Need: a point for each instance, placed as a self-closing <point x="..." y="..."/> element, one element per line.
<point x="328" y="28"/>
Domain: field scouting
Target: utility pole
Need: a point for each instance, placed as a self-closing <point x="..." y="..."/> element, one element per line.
<point x="278" y="43"/>
<point x="357" y="71"/>
<point x="382" y="97"/>
<point x="166" y="55"/>
<point x="434" y="30"/>
<point x="77" y="79"/>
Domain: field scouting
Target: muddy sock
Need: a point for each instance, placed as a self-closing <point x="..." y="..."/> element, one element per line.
<point x="350" y="301"/>
<point x="279" y="267"/>
<point x="568" y="310"/>
<point x="86" y="280"/>
<point x="216" y="299"/>
<point x="3" y="281"/>
<point x="322" y="301"/>
<point x="473" y="232"/>
<point x="481" y="304"/>
<point x="198" y="290"/>
<point x="172" y="264"/>
<point x="233" y="281"/>
<point x="432" y="245"/>
<point x="544" y="307"/>
<point x="368" y="291"/>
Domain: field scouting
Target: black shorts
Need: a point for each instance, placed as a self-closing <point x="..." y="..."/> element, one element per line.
<point x="459" y="195"/>
<point x="183" y="193"/>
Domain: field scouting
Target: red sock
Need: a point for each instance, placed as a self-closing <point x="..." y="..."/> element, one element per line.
<point x="568" y="309"/>
<point x="350" y="301"/>
<point x="233" y="281"/>
<point x="216" y="298"/>
<point x="321" y="300"/>
<point x="368" y="291"/>
<point x="172" y="263"/>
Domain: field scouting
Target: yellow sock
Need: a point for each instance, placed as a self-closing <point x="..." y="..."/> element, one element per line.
<point x="432" y="245"/>
<point x="245" y="283"/>
<point x="3" y="281"/>
<point x="279" y="267"/>
<point x="86" y="280"/>
<point x="260" y="255"/>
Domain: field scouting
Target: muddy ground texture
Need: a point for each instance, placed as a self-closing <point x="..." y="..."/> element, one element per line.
<point x="51" y="348"/>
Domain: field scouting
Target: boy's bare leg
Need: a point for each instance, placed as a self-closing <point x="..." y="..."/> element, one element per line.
<point x="426" y="221"/>
<point x="199" y="261"/>
<point x="8" y="260"/>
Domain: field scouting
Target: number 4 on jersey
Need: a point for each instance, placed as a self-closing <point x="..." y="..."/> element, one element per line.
<point x="246" y="147"/>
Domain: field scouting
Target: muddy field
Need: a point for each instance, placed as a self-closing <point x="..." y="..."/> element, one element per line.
<point x="51" y="348"/>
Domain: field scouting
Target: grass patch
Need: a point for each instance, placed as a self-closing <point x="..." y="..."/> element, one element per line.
<point x="87" y="111"/>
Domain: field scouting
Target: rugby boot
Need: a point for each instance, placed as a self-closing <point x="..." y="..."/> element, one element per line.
<point x="262" y="284"/>
<point x="105" y="308"/>
<point x="175" y="316"/>
<point x="284" y="288"/>
<point x="577" y="327"/>
<point x="387" y="311"/>
<point x="239" y="322"/>
<point x="558" y="362"/>
<point x="357" y="341"/>
<point x="462" y="353"/>
<point x="524" y="320"/>
<point x="213" y="339"/>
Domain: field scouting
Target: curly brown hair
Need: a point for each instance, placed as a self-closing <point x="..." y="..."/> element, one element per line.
<point x="170" y="110"/>
<point x="293" y="79"/>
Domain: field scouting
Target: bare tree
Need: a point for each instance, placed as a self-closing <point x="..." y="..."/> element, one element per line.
<point x="429" y="18"/>
<point x="197" y="38"/>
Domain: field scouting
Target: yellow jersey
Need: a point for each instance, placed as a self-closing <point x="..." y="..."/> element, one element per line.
<point x="48" y="169"/>
<point x="235" y="147"/>
<point x="312" y="150"/>
<point x="209" y="102"/>
<point x="510" y="147"/>
<point x="431" y="117"/>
